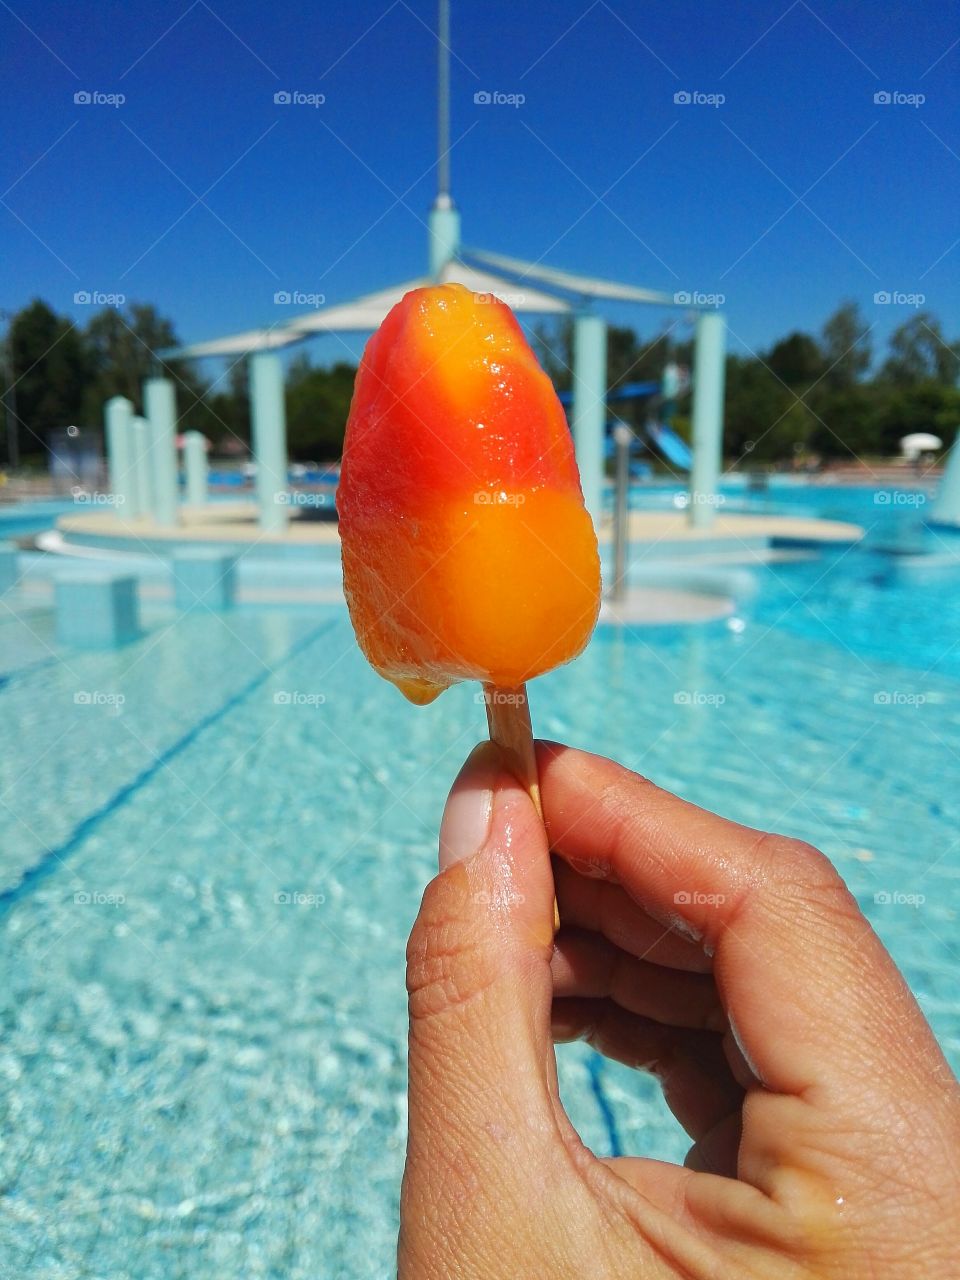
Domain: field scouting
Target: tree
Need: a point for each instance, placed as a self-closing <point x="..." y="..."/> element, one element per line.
<point x="318" y="402"/>
<point x="847" y="425"/>
<point x="919" y="353"/>
<point x="122" y="348"/>
<point x="923" y="406"/>
<point x="846" y="345"/>
<point x="48" y="364"/>
<point x="796" y="360"/>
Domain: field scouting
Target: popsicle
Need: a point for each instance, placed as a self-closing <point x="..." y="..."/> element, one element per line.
<point x="467" y="551"/>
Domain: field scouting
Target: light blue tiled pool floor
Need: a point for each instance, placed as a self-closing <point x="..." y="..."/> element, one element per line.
<point x="203" y="1079"/>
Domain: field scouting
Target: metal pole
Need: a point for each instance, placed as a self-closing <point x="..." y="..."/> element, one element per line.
<point x="623" y="438"/>
<point x="443" y="99"/>
<point x="708" y="378"/>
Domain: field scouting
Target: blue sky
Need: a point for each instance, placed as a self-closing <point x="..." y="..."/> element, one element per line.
<point x="202" y="195"/>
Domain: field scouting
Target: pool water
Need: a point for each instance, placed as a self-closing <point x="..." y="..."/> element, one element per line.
<point x="214" y="842"/>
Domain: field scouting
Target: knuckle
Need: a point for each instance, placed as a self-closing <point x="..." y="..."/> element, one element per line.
<point x="448" y="966"/>
<point x="801" y="873"/>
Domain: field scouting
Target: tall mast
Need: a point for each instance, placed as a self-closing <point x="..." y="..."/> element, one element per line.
<point x="443" y="100"/>
<point x="444" y="220"/>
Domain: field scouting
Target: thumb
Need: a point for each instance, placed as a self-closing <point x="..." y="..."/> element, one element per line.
<point x="481" y="1084"/>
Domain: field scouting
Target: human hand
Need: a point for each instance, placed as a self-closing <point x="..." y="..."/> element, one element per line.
<point x="734" y="965"/>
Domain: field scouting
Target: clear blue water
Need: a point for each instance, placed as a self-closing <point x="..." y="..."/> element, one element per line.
<point x="201" y="1079"/>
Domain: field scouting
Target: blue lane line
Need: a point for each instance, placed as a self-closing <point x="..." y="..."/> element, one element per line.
<point x="9" y="676"/>
<point x="53" y="858"/>
<point x="595" y="1068"/>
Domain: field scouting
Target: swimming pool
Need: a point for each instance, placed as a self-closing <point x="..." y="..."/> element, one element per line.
<point x="212" y="851"/>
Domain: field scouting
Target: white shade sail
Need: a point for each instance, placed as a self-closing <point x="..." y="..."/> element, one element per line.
<point x="526" y="287"/>
<point x="585" y="286"/>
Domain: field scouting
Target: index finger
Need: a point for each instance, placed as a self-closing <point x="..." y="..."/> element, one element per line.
<point x="812" y="995"/>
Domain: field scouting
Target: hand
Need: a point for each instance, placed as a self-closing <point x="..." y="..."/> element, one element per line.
<point x="734" y="965"/>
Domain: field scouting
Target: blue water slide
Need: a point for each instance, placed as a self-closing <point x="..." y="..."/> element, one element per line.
<point x="666" y="441"/>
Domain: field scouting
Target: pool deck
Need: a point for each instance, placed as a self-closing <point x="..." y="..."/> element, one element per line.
<point x="235" y="524"/>
<point x="677" y="574"/>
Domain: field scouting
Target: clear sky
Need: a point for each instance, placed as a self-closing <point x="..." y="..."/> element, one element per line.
<point x="202" y="195"/>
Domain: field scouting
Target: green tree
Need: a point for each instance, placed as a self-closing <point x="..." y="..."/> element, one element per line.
<point x="847" y="425"/>
<point x="122" y="347"/>
<point x="318" y="402"/>
<point x="846" y="345"/>
<point x="796" y="360"/>
<point x="49" y="368"/>
<point x="920" y="353"/>
<point x="922" y="406"/>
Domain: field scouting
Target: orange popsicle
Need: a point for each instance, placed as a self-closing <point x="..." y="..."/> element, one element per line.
<point x="467" y="551"/>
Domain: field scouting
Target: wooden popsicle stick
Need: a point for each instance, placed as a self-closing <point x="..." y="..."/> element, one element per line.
<point x="508" y="723"/>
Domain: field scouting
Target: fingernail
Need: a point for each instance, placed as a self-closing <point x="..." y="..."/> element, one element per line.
<point x="468" y="814"/>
